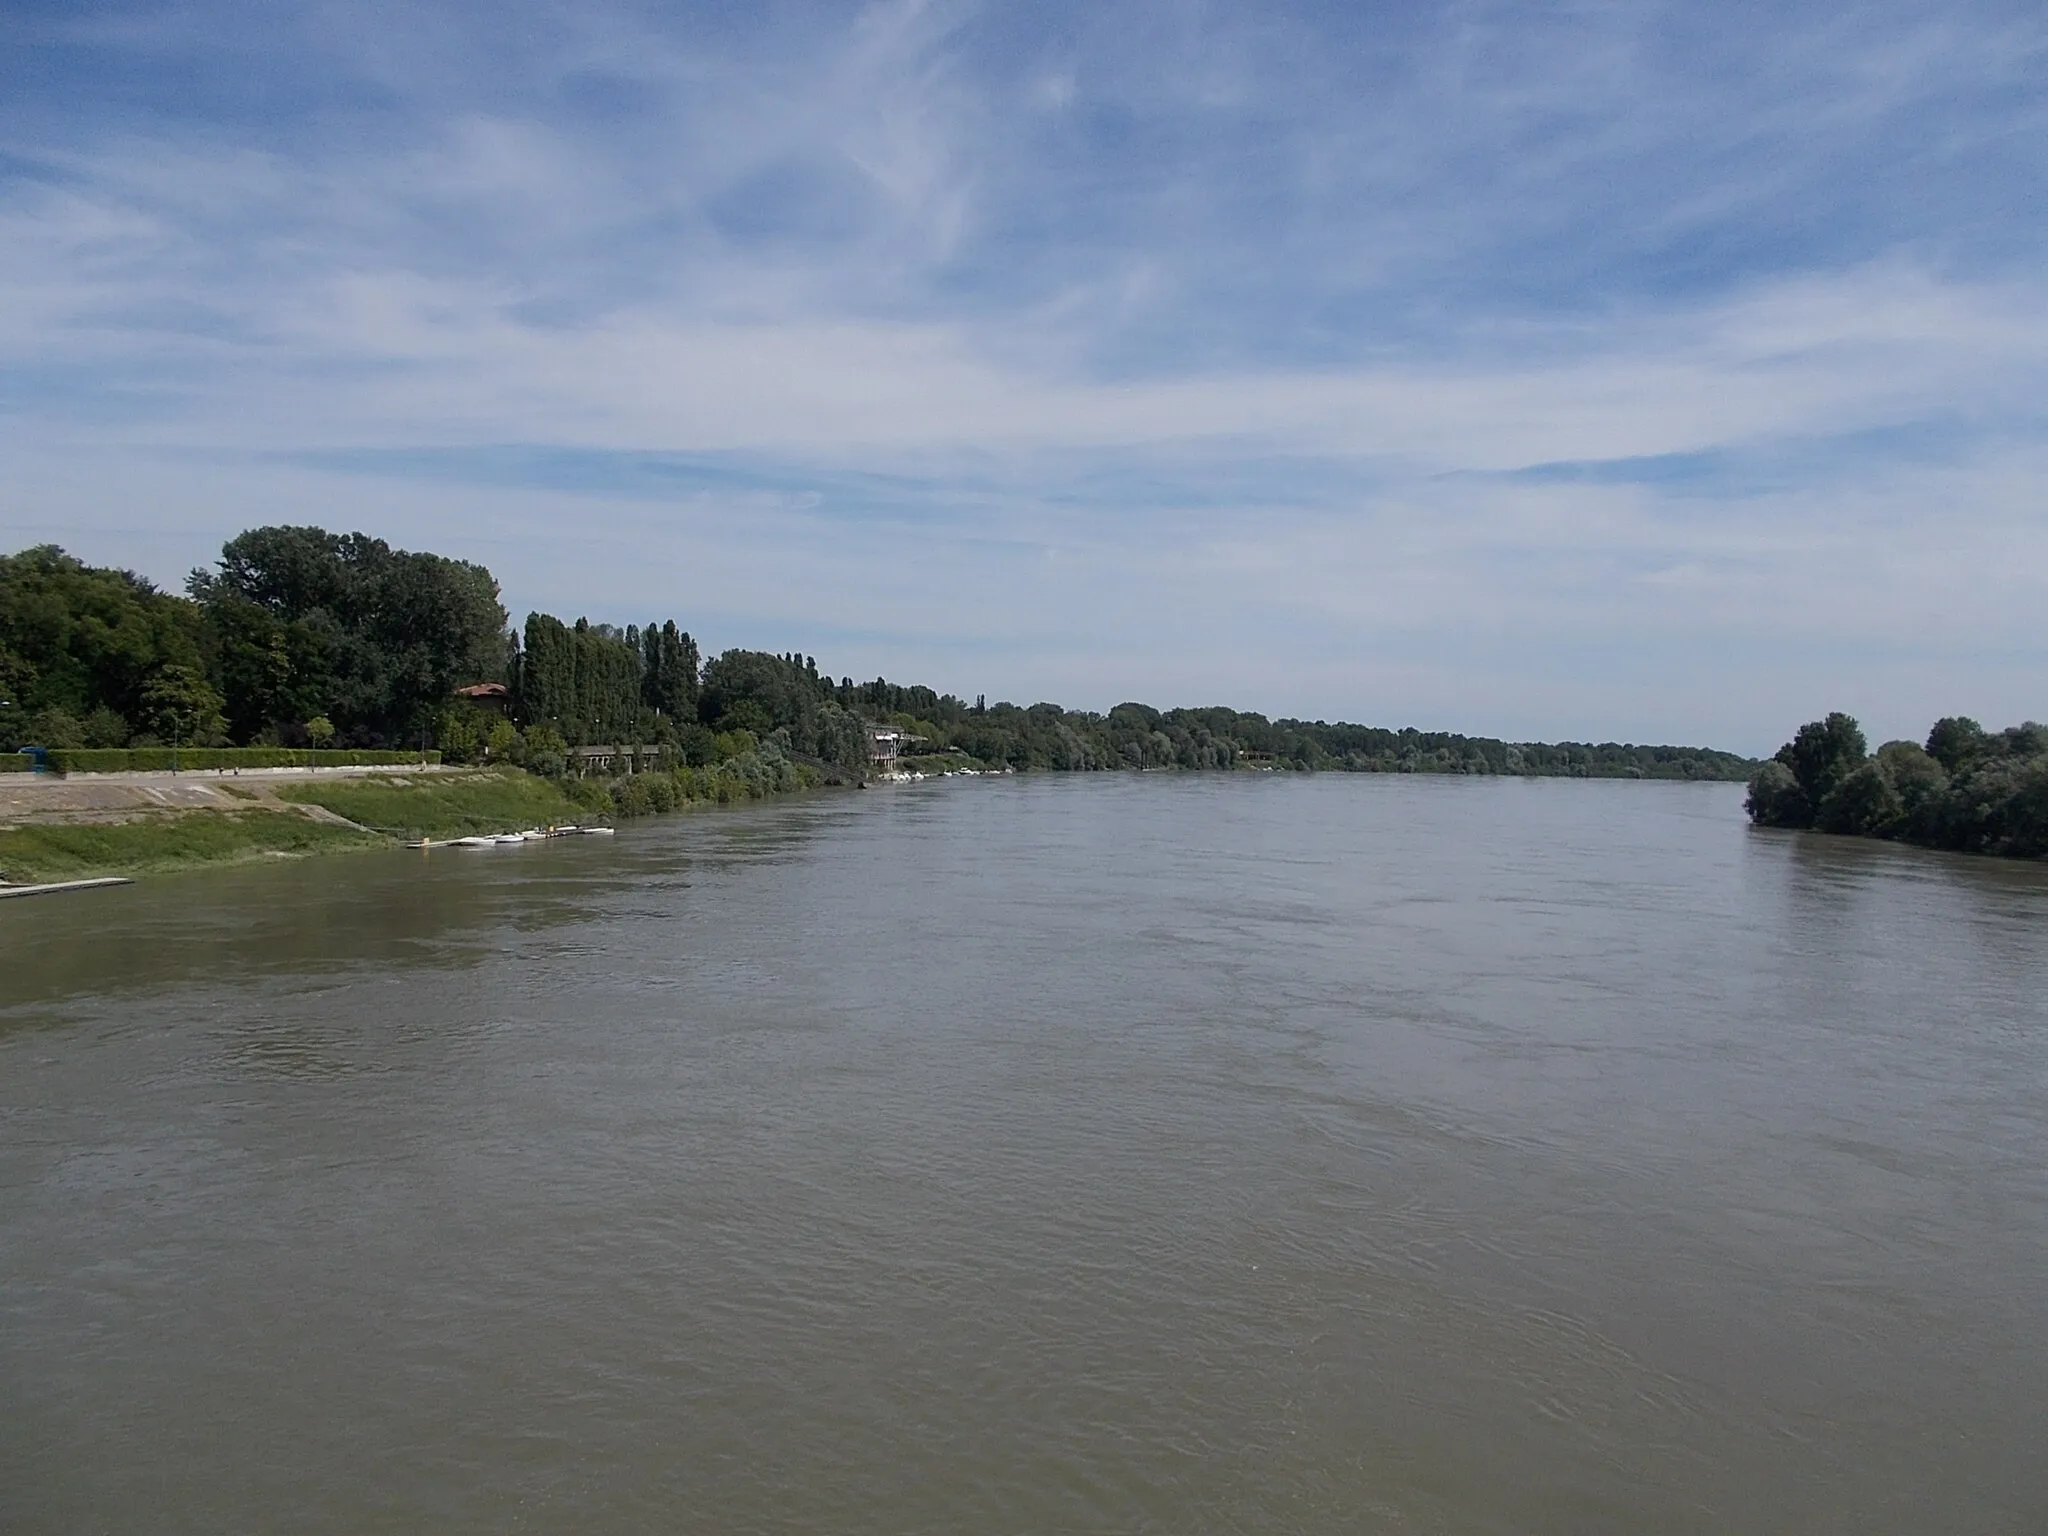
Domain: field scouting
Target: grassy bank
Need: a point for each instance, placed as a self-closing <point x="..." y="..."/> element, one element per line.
<point x="383" y="809"/>
<point x="187" y="840"/>
<point x="452" y="806"/>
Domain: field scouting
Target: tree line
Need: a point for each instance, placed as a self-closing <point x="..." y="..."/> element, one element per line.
<point x="298" y="636"/>
<point x="596" y="683"/>
<point x="1967" y="789"/>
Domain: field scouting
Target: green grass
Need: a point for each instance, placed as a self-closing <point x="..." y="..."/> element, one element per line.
<point x="939" y="762"/>
<point x="453" y="805"/>
<point x="31" y="855"/>
<point x="426" y="806"/>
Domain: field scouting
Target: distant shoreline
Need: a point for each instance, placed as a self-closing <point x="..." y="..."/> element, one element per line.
<point x="94" y="826"/>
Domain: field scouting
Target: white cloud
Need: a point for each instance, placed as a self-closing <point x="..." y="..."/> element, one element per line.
<point x="1174" y="245"/>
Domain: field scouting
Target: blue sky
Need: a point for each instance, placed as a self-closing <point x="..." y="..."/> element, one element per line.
<point x="1626" y="371"/>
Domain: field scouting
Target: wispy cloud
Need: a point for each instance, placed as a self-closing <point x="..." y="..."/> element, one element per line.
<point x="1619" y="370"/>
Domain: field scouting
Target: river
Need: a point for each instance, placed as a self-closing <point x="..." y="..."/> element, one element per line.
<point x="1128" y="1154"/>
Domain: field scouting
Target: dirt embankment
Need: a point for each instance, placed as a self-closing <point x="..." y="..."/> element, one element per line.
<point x="64" y="829"/>
<point x="28" y="800"/>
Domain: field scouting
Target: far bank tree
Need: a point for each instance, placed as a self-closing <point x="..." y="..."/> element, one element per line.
<point x="1967" y="789"/>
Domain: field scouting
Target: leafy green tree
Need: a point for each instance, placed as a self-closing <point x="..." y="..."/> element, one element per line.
<point x="783" y="690"/>
<point x="55" y="728"/>
<point x="748" y="715"/>
<point x="547" y="753"/>
<point x="17" y="685"/>
<point x="104" y="728"/>
<point x="292" y="571"/>
<point x="735" y="741"/>
<point x="464" y="732"/>
<point x="1775" y="798"/>
<point x="320" y="732"/>
<point x="1919" y="782"/>
<point x="1955" y="742"/>
<point x="1822" y="754"/>
<point x="1863" y="804"/>
<point x="274" y="673"/>
<point x="2028" y="740"/>
<point x="437" y="625"/>
<point x="586" y="680"/>
<point x="180" y="706"/>
<point x="841" y="737"/>
<point x="1967" y="790"/>
<point x="669" y="671"/>
<point x="697" y="745"/>
<point x="76" y="638"/>
<point x="606" y="698"/>
<point x="2026" y="811"/>
<point x="344" y="625"/>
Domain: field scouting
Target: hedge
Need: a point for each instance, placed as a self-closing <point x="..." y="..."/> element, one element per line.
<point x="158" y="759"/>
<point x="16" y="762"/>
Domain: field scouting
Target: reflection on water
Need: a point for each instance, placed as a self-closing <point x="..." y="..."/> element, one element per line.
<point x="1167" y="1153"/>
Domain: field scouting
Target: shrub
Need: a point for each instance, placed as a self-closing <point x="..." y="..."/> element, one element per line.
<point x="1998" y="806"/>
<point x="1863" y="805"/>
<point x="104" y="728"/>
<point x="1823" y="753"/>
<point x="161" y="759"/>
<point x="1969" y="789"/>
<point x="727" y="745"/>
<point x="1775" y="798"/>
<point x="630" y="795"/>
<point x="1955" y="742"/>
<point x="1920" y="781"/>
<point x="55" y="728"/>
<point x="661" y="791"/>
<point x="547" y="754"/>
<point x="588" y="794"/>
<point x="699" y="748"/>
<point x="2026" y="813"/>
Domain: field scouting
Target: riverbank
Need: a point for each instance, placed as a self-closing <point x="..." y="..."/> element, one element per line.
<point x="73" y="830"/>
<point x="1967" y="790"/>
<point x="165" y="841"/>
<point x="489" y="801"/>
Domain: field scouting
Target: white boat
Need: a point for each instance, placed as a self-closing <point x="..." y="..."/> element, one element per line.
<point x="598" y="831"/>
<point x="512" y="838"/>
<point x="472" y="842"/>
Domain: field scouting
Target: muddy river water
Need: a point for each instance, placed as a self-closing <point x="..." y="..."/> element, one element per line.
<point x="1165" y="1154"/>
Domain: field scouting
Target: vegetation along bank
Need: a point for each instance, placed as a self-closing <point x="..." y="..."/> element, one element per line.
<point x="81" y="827"/>
<point x="1967" y="789"/>
<point x="301" y="641"/>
